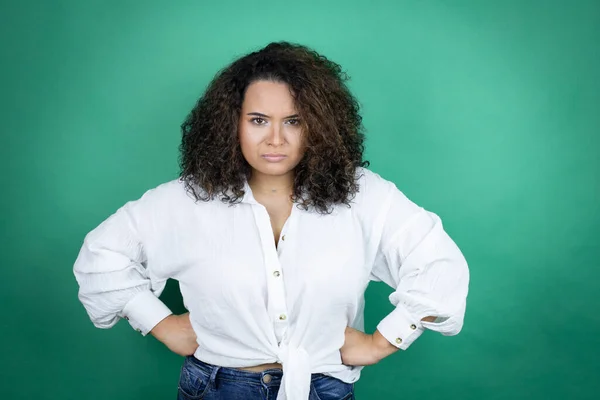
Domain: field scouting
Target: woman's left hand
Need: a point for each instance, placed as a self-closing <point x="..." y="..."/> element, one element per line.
<point x="362" y="349"/>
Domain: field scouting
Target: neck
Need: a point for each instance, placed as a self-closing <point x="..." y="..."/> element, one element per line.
<point x="270" y="184"/>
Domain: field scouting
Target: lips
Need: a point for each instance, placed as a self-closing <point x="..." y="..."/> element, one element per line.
<point x="272" y="157"/>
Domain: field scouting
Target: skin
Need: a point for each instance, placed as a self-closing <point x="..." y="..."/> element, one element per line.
<point x="268" y="124"/>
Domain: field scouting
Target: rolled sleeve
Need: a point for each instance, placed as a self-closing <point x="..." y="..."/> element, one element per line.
<point x="114" y="275"/>
<point x="427" y="271"/>
<point x="145" y="311"/>
<point x="400" y="328"/>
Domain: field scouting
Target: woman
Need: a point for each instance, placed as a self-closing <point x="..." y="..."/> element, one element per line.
<point x="274" y="230"/>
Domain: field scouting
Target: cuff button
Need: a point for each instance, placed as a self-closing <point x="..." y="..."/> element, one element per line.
<point x="398" y="340"/>
<point x="413" y="326"/>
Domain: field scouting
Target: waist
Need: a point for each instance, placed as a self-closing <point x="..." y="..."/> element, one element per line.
<point x="236" y="359"/>
<point x="261" y="367"/>
<point x="274" y="374"/>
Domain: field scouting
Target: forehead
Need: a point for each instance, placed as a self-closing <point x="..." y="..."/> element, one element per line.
<point x="268" y="96"/>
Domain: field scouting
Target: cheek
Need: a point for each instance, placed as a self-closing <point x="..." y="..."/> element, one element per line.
<point x="247" y="143"/>
<point x="297" y="143"/>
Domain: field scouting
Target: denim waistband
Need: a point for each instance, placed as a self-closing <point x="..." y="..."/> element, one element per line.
<point x="269" y="377"/>
<point x="275" y="374"/>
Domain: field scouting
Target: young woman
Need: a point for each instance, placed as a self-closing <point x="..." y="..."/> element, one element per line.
<point x="274" y="230"/>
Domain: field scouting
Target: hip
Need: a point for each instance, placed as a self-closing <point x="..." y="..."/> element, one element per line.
<point x="200" y="380"/>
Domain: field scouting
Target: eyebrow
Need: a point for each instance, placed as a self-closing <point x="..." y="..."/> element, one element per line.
<point x="266" y="116"/>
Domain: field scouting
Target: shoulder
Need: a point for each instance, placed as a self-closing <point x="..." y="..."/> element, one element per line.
<point x="377" y="194"/>
<point x="373" y="185"/>
<point x="167" y="195"/>
<point x="173" y="189"/>
<point x="374" y="193"/>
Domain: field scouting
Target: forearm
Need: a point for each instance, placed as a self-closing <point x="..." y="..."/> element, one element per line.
<point x="161" y="330"/>
<point x="382" y="347"/>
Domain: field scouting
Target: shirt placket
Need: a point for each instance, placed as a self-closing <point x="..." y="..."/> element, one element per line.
<point x="276" y="304"/>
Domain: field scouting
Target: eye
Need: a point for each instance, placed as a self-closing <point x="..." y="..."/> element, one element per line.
<point x="258" y="121"/>
<point x="293" y="121"/>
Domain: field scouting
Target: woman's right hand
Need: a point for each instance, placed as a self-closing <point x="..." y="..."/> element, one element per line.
<point x="177" y="334"/>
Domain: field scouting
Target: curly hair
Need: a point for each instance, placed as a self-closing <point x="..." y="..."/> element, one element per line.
<point x="211" y="159"/>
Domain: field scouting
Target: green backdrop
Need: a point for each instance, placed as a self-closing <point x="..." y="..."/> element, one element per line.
<point x="486" y="112"/>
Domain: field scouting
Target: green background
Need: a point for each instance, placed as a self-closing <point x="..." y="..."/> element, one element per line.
<point x="486" y="112"/>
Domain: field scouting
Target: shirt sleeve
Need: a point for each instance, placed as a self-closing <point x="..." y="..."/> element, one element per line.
<point x="427" y="270"/>
<point x="115" y="280"/>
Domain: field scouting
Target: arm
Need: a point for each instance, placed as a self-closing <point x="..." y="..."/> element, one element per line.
<point x="114" y="277"/>
<point x="362" y="349"/>
<point x="422" y="264"/>
<point x="427" y="270"/>
<point x="382" y="347"/>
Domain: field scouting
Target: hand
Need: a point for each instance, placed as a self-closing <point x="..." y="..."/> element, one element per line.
<point x="362" y="349"/>
<point x="177" y="334"/>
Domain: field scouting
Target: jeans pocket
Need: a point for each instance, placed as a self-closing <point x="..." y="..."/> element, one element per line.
<point x="193" y="381"/>
<point x="326" y="387"/>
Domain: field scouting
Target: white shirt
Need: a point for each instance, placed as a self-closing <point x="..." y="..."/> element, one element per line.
<point x="251" y="302"/>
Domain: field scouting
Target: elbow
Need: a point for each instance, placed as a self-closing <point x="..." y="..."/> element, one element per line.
<point x="456" y="321"/>
<point x="102" y="320"/>
<point x="455" y="327"/>
<point x="450" y="324"/>
<point x="102" y="314"/>
<point x="105" y="323"/>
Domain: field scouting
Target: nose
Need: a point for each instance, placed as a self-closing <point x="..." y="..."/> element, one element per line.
<point x="275" y="136"/>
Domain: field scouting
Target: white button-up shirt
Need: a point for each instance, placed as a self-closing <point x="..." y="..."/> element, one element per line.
<point x="252" y="302"/>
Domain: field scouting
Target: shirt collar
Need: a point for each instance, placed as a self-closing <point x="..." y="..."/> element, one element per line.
<point x="248" y="195"/>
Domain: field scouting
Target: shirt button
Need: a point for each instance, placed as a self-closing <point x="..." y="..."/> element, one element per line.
<point x="276" y="274"/>
<point x="283" y="237"/>
<point x="413" y="326"/>
<point x="267" y="378"/>
<point x="127" y="318"/>
<point x="398" y="340"/>
<point x="282" y="317"/>
<point x="139" y="330"/>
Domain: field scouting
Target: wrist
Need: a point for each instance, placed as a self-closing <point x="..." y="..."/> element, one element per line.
<point x="162" y="329"/>
<point x="381" y="346"/>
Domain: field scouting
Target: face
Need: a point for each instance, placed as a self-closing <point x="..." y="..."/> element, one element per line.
<point x="269" y="130"/>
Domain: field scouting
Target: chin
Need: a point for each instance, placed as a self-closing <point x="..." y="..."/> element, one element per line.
<point x="274" y="169"/>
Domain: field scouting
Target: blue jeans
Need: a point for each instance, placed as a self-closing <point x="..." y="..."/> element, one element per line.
<point x="200" y="380"/>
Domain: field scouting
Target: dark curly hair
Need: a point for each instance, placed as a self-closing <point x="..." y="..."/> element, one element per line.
<point x="211" y="159"/>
